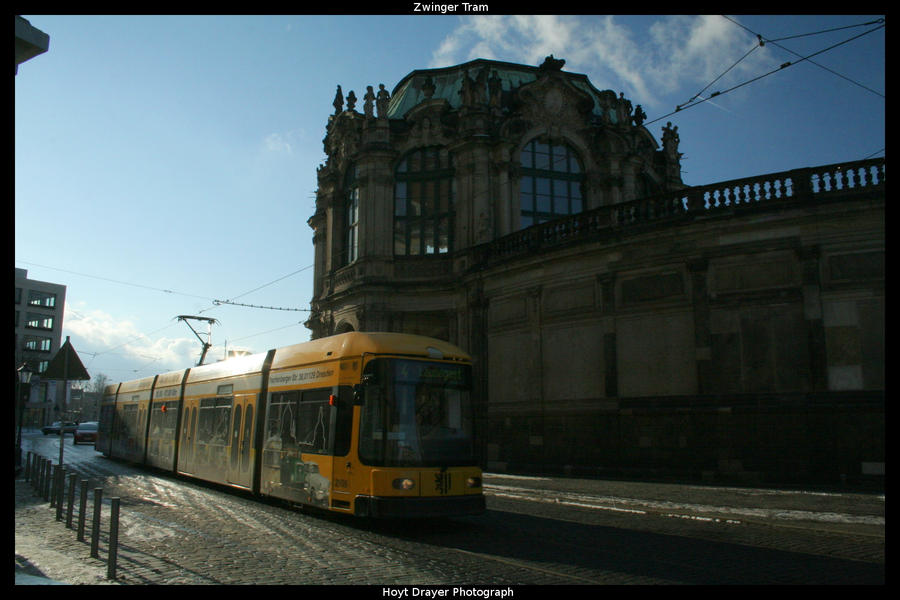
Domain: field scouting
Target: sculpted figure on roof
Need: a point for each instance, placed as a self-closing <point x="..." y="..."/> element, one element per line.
<point x="552" y="64"/>
<point x="381" y="102"/>
<point x="338" y="103"/>
<point x="368" y="102"/>
<point x="495" y="87"/>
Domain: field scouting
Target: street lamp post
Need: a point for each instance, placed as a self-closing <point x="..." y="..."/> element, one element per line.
<point x="24" y="379"/>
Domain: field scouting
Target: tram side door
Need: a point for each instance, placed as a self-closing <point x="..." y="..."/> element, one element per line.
<point x="188" y="430"/>
<point x="240" y="464"/>
<point x="343" y="462"/>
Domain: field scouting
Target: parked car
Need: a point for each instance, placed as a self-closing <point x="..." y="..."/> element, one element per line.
<point x="86" y="432"/>
<point x="68" y="427"/>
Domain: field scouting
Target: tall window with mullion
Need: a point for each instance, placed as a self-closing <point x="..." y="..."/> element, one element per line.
<point x="550" y="186"/>
<point x="424" y="203"/>
<point x="351" y="216"/>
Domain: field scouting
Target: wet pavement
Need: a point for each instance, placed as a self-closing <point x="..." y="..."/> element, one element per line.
<point x="850" y="524"/>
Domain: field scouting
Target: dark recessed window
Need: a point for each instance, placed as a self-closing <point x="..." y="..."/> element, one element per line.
<point x="424" y="203"/>
<point x="351" y="217"/>
<point x="550" y="186"/>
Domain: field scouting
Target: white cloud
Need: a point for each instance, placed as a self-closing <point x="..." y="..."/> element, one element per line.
<point x="102" y="338"/>
<point x="680" y="52"/>
<point x="276" y="142"/>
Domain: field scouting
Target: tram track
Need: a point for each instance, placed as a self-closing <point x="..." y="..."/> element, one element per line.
<point x="822" y="521"/>
<point x="532" y="534"/>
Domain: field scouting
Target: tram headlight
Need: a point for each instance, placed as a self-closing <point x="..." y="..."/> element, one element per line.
<point x="403" y="483"/>
<point x="473" y="482"/>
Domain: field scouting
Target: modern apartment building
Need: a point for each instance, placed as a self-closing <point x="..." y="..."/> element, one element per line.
<point x="39" y="323"/>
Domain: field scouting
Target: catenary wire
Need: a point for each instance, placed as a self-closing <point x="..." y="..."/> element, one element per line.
<point x="147" y="335"/>
<point x="832" y="71"/>
<point x="757" y="78"/>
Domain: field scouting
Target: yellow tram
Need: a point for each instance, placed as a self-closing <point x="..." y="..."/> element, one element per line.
<point x="369" y="424"/>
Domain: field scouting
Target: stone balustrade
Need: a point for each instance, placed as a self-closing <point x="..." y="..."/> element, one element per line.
<point x="735" y="196"/>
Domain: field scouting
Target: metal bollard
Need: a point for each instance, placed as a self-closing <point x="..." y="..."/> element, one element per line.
<point x="71" y="503"/>
<point x="82" y="509"/>
<point x="48" y="476"/>
<point x="54" y="484"/>
<point x="42" y="485"/>
<point x="45" y="481"/>
<point x="113" y="553"/>
<point x="60" y="491"/>
<point x="39" y="479"/>
<point x="50" y="496"/>
<point x="95" y="529"/>
<point x="35" y="474"/>
<point x="27" y="465"/>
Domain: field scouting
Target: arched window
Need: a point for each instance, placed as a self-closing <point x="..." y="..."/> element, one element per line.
<point x="550" y="186"/>
<point x="424" y="203"/>
<point x="351" y="216"/>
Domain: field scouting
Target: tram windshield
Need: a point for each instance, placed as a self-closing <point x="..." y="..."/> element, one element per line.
<point x="416" y="414"/>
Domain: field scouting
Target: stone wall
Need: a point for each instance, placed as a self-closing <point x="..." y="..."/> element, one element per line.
<point x="746" y="348"/>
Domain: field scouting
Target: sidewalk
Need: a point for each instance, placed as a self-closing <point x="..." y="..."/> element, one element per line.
<point x="46" y="551"/>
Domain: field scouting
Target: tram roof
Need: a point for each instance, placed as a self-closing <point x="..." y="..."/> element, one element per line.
<point x="343" y="345"/>
<point x="359" y="343"/>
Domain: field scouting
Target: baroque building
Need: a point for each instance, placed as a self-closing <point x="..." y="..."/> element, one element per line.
<point x="619" y="320"/>
<point x="455" y="158"/>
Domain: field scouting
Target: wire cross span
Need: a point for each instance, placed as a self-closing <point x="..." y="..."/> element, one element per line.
<point x="221" y="302"/>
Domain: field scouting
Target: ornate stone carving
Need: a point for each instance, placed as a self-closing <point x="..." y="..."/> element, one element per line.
<point x="670" y="140"/>
<point x="552" y="64"/>
<point x="473" y="92"/>
<point x="428" y="88"/>
<point x="381" y="101"/>
<point x="467" y="90"/>
<point x="495" y="90"/>
<point x="639" y="116"/>
<point x="343" y="138"/>
<point x="554" y="102"/>
<point x="338" y="103"/>
<point x="368" y="102"/>
<point x="624" y="110"/>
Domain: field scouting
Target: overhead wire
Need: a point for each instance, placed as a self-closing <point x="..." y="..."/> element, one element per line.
<point x="111" y="280"/>
<point x="783" y="66"/>
<point x="833" y="72"/>
<point x="231" y="300"/>
<point x="94" y="355"/>
<point x="800" y="35"/>
<point x="697" y="95"/>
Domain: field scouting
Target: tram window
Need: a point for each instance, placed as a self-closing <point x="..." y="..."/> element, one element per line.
<point x="235" y="435"/>
<point x="344" y="422"/>
<point x="300" y="421"/>
<point x="313" y="421"/>
<point x="281" y="420"/>
<point x="214" y="419"/>
<point x="248" y="432"/>
<point x="192" y="434"/>
<point x="163" y="418"/>
<point x="129" y="420"/>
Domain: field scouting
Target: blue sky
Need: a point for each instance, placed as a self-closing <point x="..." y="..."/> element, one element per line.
<point x="163" y="162"/>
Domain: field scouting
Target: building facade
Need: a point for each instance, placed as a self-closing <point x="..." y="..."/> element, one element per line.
<point x="620" y="321"/>
<point x="38" y="337"/>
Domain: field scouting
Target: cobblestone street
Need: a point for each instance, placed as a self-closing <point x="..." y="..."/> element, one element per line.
<point x="537" y="531"/>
